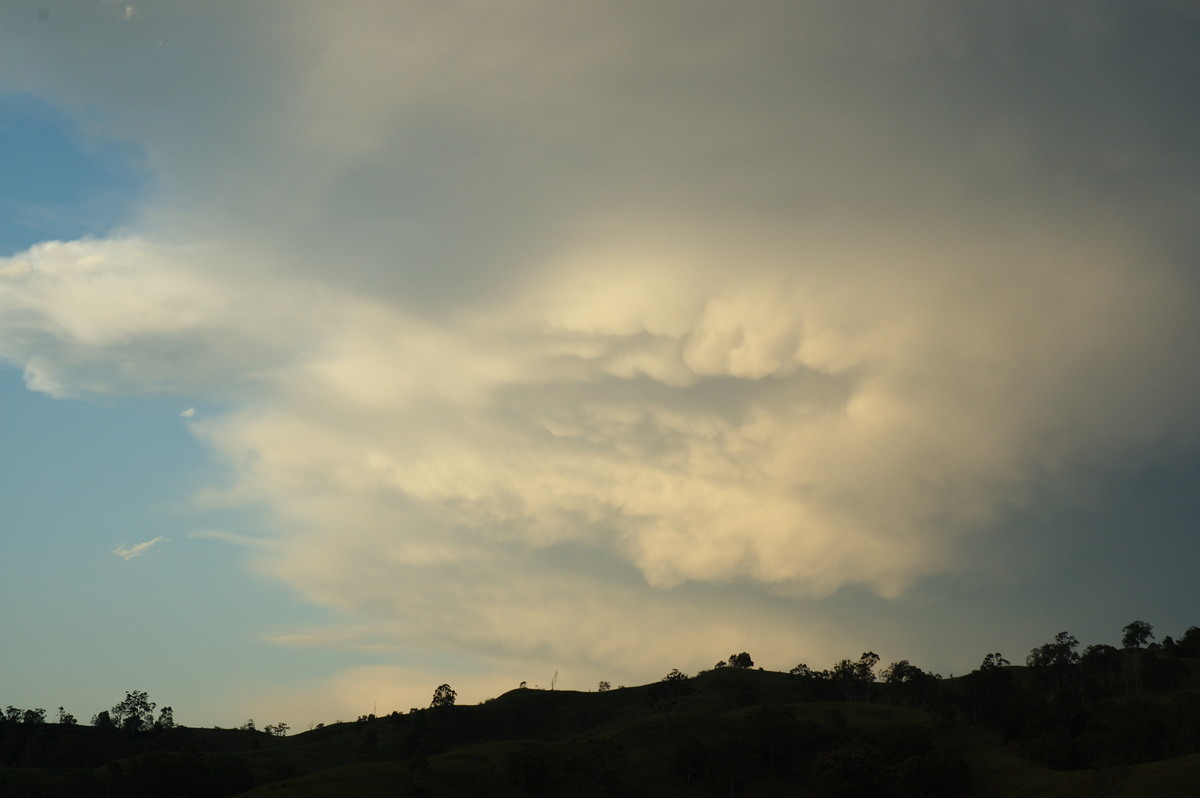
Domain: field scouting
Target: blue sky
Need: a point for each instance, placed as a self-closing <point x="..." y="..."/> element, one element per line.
<point x="346" y="351"/>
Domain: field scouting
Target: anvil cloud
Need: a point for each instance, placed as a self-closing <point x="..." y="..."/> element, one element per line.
<point x="531" y="321"/>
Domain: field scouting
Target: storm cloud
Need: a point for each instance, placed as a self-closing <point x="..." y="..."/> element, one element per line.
<point x="532" y="318"/>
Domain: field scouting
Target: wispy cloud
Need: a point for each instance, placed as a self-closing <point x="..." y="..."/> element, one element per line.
<point x="138" y="549"/>
<point x="243" y="541"/>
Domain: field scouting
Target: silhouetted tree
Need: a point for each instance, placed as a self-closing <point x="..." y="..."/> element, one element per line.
<point x="742" y="660"/>
<point x="1137" y="634"/>
<point x="1052" y="662"/>
<point x="1101" y="665"/>
<point x="135" y="713"/>
<point x="856" y="677"/>
<point x="66" y="718"/>
<point x="667" y="693"/>
<point x="988" y="689"/>
<point x="1189" y="644"/>
<point x="912" y="683"/>
<point x="166" y="719"/>
<point x="866" y="666"/>
<point x="1058" y="654"/>
<point x="899" y="672"/>
<point x="444" y="696"/>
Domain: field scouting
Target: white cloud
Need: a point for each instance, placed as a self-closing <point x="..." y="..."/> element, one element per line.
<point x="189" y="413"/>
<point x="138" y="549"/>
<point x="500" y="297"/>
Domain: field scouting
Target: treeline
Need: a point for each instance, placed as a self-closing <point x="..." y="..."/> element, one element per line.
<point x="1098" y="707"/>
<point x="127" y="750"/>
<point x="135" y="714"/>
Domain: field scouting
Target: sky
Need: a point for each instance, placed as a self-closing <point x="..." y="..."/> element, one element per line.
<point x="351" y="349"/>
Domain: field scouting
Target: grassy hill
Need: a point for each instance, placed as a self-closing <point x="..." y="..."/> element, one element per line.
<point x="726" y="732"/>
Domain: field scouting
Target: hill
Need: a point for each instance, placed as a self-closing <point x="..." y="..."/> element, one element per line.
<point x="1098" y="724"/>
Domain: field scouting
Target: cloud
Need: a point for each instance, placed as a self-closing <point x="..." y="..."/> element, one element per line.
<point x="243" y="541"/>
<point x="189" y="413"/>
<point x="126" y="315"/>
<point x="531" y="322"/>
<point x="138" y="549"/>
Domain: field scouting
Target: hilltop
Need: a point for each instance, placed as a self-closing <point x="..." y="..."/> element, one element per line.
<point x="1118" y="722"/>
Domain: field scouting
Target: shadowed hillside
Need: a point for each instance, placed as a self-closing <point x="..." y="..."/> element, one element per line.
<point x="1107" y="721"/>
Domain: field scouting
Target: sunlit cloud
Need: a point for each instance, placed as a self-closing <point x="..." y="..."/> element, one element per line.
<point x="505" y="379"/>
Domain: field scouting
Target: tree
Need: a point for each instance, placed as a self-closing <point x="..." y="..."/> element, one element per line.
<point x="1137" y="633"/>
<point x="1053" y="663"/>
<point x="740" y="660"/>
<point x="912" y="683"/>
<point x="102" y="720"/>
<point x="989" y="689"/>
<point x="856" y="677"/>
<point x="135" y="713"/>
<point x="1189" y="644"/>
<point x="667" y="693"/>
<point x="444" y="696"/>
<point x="1058" y="654"/>
<point x="166" y="719"/>
<point x="66" y="718"/>
<point x="1102" y="664"/>
<point x="34" y="717"/>
<point x="278" y="730"/>
<point x="866" y="666"/>
<point x="604" y="686"/>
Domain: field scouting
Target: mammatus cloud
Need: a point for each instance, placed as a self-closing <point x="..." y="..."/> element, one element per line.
<point x="138" y="549"/>
<point x="778" y="427"/>
<point x="527" y="333"/>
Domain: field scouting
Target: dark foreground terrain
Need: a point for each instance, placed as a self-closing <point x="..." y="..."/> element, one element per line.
<point x="1106" y="723"/>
